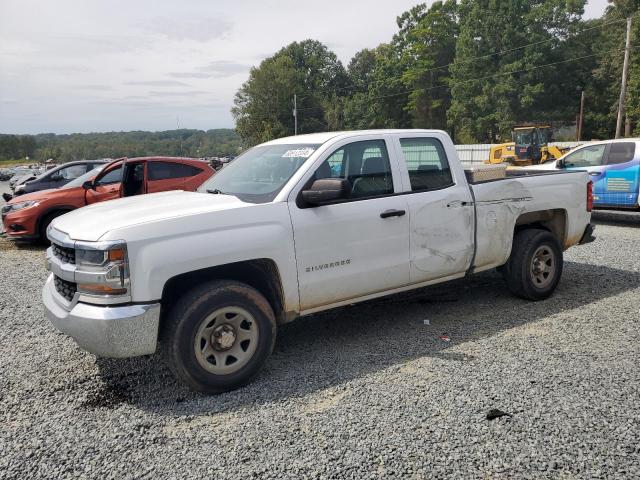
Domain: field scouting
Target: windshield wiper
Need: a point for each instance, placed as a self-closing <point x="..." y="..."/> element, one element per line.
<point x="215" y="191"/>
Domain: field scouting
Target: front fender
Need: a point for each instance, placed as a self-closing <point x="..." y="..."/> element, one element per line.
<point x="159" y="251"/>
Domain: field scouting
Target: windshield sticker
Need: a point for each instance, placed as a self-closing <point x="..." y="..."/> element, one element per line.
<point x="299" y="153"/>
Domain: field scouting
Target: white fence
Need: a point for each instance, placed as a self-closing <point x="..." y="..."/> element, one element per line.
<point x="473" y="154"/>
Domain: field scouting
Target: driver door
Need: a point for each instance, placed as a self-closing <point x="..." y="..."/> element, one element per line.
<point x="356" y="246"/>
<point x="590" y="158"/>
<point x="106" y="186"/>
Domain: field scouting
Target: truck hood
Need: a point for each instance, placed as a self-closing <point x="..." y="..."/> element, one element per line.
<point x="92" y="222"/>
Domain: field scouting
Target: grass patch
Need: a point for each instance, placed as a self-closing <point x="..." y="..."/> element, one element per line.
<point x="13" y="163"/>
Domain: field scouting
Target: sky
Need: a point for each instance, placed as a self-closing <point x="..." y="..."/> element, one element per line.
<point x="112" y="65"/>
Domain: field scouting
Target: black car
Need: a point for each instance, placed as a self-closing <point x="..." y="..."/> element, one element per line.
<point x="58" y="176"/>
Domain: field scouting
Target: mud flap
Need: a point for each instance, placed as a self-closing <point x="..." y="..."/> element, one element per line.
<point x="588" y="236"/>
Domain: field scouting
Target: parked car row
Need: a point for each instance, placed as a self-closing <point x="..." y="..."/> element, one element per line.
<point x="27" y="216"/>
<point x="13" y="173"/>
<point x="55" y="177"/>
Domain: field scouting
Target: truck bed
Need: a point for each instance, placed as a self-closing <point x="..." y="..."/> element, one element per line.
<point x="555" y="199"/>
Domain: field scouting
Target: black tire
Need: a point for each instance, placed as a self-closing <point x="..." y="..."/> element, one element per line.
<point x="187" y="318"/>
<point x="534" y="252"/>
<point x="44" y="223"/>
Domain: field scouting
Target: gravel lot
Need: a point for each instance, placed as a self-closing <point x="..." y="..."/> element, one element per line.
<point x="366" y="391"/>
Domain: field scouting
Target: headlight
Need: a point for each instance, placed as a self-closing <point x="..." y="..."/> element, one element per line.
<point x="13" y="207"/>
<point x="103" y="271"/>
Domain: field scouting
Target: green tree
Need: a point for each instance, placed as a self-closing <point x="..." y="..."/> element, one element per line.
<point x="377" y="96"/>
<point x="427" y="44"/>
<point x="263" y="105"/>
<point x="490" y="91"/>
<point x="604" y="87"/>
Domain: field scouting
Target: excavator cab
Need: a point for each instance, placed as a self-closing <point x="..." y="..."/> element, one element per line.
<point x="529" y="142"/>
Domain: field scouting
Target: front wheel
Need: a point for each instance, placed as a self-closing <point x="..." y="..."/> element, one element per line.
<point x="218" y="336"/>
<point x="44" y="224"/>
<point x="535" y="265"/>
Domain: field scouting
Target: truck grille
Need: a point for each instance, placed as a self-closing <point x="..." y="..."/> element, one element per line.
<point x="66" y="254"/>
<point x="64" y="288"/>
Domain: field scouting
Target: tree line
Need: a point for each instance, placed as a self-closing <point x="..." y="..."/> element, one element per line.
<point x="471" y="67"/>
<point x="76" y="146"/>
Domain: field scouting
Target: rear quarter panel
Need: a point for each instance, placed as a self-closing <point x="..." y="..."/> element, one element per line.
<point x="500" y="203"/>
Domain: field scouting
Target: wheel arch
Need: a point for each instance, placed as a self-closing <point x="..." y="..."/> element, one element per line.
<point x="62" y="209"/>
<point x="554" y="221"/>
<point x="261" y="273"/>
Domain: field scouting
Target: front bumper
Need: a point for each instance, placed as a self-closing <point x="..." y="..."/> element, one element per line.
<point x="107" y="331"/>
<point x="20" y="224"/>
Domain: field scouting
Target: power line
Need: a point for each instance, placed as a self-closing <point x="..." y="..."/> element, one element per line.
<point x="424" y="89"/>
<point x="489" y="55"/>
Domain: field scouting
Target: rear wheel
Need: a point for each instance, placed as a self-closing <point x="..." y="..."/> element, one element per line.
<point x="218" y="336"/>
<point x="535" y="265"/>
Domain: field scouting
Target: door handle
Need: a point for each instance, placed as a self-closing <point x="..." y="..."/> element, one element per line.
<point x="593" y="174"/>
<point x="392" y="213"/>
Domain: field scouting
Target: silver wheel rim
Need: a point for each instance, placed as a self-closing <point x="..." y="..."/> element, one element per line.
<point x="226" y="340"/>
<point x="543" y="266"/>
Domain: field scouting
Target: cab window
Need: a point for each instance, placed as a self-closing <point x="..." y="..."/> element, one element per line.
<point x="621" y="152"/>
<point x="110" y="177"/>
<point x="427" y="163"/>
<point x="589" y="156"/>
<point x="168" y="170"/>
<point x="365" y="164"/>
<point x="72" y="172"/>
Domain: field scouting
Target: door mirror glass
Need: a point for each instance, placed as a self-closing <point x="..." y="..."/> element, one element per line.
<point x="327" y="190"/>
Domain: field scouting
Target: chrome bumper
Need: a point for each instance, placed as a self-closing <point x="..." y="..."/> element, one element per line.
<point x="106" y="331"/>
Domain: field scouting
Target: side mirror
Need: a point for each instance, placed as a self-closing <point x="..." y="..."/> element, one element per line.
<point x="559" y="163"/>
<point x="88" y="185"/>
<point x="56" y="177"/>
<point x="326" y="190"/>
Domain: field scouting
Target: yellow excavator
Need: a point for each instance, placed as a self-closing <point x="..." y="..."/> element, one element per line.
<point x="529" y="146"/>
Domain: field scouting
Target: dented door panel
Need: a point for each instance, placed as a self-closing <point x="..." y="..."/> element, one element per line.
<point x="441" y="233"/>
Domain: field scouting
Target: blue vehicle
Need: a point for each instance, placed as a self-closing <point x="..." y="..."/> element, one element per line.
<point x="614" y="168"/>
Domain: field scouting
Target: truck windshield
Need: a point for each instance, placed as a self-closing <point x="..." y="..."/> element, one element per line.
<point x="259" y="174"/>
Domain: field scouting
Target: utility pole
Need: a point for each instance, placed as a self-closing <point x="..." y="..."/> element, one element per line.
<point x="627" y="125"/>
<point x="295" y="114"/>
<point x="623" y="87"/>
<point x="581" y="117"/>
<point x="179" y="135"/>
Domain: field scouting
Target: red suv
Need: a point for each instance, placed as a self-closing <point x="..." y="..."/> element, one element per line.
<point x="29" y="215"/>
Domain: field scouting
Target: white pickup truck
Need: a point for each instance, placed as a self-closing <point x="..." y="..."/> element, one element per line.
<point x="292" y="227"/>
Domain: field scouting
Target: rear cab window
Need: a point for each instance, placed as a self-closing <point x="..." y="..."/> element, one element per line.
<point x="427" y="163"/>
<point x="621" y="152"/>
